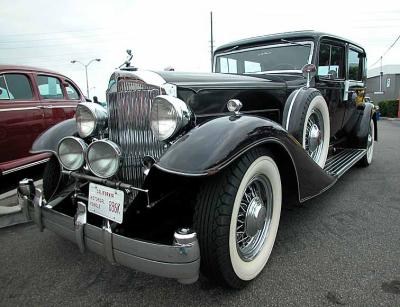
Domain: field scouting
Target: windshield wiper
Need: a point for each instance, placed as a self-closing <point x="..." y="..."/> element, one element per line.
<point x="294" y="43"/>
<point x="231" y="49"/>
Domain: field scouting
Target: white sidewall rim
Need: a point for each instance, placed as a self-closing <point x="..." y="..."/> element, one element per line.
<point x="249" y="270"/>
<point x="370" y="150"/>
<point x="319" y="103"/>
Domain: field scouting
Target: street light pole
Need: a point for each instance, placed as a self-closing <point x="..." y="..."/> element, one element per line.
<point x="86" y="72"/>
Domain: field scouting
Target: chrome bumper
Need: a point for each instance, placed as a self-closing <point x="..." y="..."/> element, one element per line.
<point x="180" y="261"/>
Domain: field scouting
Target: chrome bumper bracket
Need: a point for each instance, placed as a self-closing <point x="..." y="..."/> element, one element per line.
<point x="79" y="222"/>
<point x="37" y="203"/>
<point x="108" y="244"/>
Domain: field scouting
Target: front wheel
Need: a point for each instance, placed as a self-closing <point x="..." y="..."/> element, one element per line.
<point x="237" y="217"/>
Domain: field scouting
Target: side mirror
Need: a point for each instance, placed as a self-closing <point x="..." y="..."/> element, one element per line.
<point x="309" y="71"/>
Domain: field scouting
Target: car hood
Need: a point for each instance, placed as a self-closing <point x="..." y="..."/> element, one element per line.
<point x="197" y="81"/>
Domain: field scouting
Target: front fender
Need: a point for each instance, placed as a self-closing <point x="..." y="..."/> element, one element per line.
<point x="48" y="140"/>
<point x="207" y="149"/>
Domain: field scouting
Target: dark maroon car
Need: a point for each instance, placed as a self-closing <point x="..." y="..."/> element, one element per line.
<point x="31" y="101"/>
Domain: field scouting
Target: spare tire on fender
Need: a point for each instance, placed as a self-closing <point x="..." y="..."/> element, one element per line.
<point x="306" y="117"/>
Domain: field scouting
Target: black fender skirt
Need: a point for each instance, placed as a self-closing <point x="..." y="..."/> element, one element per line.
<point x="48" y="140"/>
<point x="208" y="148"/>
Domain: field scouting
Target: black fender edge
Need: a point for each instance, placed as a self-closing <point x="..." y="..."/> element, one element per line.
<point x="209" y="148"/>
<point x="48" y="140"/>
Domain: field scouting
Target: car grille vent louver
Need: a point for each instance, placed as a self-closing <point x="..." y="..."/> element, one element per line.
<point x="129" y="127"/>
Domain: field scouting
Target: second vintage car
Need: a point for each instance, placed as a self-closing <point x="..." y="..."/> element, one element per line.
<point x="31" y="101"/>
<point x="187" y="171"/>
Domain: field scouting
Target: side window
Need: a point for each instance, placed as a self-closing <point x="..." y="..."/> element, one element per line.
<point x="72" y="92"/>
<point x="228" y="65"/>
<point x="49" y="87"/>
<point x="251" y="67"/>
<point x="354" y="66"/>
<point x="4" y="95"/>
<point x="331" y="61"/>
<point x="15" y="87"/>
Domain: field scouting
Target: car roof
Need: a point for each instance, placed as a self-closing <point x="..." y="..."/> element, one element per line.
<point x="30" y="69"/>
<point x="259" y="40"/>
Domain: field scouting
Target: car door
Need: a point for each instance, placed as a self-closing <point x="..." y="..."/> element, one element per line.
<point x="57" y="105"/>
<point x="21" y="115"/>
<point x="330" y="80"/>
<point x="355" y="84"/>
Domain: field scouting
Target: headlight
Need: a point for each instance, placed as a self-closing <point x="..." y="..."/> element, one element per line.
<point x="103" y="158"/>
<point x="91" y="118"/>
<point x="71" y="153"/>
<point x="168" y="115"/>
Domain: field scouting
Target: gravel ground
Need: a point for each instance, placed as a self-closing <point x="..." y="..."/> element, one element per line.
<point x="342" y="248"/>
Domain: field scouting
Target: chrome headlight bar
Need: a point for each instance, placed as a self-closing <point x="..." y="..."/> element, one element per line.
<point x="91" y="119"/>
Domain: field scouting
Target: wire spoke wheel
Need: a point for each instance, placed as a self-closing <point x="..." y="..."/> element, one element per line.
<point x="254" y="217"/>
<point x="314" y="135"/>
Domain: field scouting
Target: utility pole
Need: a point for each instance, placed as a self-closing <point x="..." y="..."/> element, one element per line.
<point x="380" y="78"/>
<point x="212" y="42"/>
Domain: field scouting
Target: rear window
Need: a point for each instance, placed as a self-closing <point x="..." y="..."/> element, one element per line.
<point x="15" y="87"/>
<point x="72" y="92"/>
<point x="50" y="87"/>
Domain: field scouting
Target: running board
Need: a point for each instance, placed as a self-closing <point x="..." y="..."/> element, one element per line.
<point x="339" y="163"/>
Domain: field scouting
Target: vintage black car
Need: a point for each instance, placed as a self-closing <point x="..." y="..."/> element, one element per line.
<point x="188" y="171"/>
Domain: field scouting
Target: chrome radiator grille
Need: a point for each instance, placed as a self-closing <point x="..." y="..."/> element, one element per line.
<point x="129" y="127"/>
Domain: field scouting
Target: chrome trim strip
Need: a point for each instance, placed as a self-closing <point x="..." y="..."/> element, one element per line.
<point x="243" y="112"/>
<point x="21" y="109"/>
<point x="60" y="106"/>
<point x="290" y="109"/>
<point x="25" y="166"/>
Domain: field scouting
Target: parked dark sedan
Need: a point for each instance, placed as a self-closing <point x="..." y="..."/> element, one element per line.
<point x="188" y="171"/>
<point x="31" y="101"/>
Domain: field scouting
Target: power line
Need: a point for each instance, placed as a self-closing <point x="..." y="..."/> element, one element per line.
<point x="49" y="33"/>
<point x="57" y="38"/>
<point x="390" y="47"/>
<point x="63" y="44"/>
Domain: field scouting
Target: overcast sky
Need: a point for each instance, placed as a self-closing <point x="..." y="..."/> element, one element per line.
<point x="51" y="33"/>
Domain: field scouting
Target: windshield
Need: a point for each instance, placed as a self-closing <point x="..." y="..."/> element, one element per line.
<point x="273" y="58"/>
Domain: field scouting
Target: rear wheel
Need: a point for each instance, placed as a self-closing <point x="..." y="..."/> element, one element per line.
<point x="367" y="159"/>
<point x="237" y="217"/>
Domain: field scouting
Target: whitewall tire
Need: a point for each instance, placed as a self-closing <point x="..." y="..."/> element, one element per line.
<point x="236" y="218"/>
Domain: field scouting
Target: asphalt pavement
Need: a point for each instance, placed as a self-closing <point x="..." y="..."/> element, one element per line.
<point x="342" y="248"/>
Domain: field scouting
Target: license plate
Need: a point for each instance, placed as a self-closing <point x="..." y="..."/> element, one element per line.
<point x="106" y="202"/>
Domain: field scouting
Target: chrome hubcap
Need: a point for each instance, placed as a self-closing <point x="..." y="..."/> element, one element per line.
<point x="254" y="217"/>
<point x="314" y="138"/>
